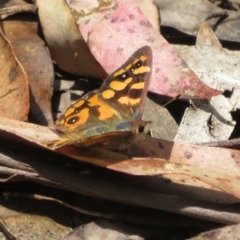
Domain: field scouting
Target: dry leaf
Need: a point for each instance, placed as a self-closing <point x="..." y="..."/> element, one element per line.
<point x="213" y="158"/>
<point x="23" y="219"/>
<point x="222" y="160"/>
<point x="10" y="7"/>
<point x="211" y="121"/>
<point x="103" y="28"/>
<point x="32" y="54"/>
<point x="31" y="132"/>
<point x="65" y="44"/>
<point x="150" y="10"/>
<point x="14" y="93"/>
<point x="150" y="167"/>
<point x="216" y="177"/>
<point x="224" y="233"/>
<point x="102" y="229"/>
<point x="188" y="15"/>
<point x="196" y="181"/>
<point x="162" y="123"/>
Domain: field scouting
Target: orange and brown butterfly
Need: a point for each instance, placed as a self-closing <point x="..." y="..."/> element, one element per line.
<point x="110" y="116"/>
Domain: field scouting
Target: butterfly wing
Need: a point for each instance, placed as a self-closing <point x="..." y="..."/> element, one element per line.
<point x="126" y="88"/>
<point x="111" y="109"/>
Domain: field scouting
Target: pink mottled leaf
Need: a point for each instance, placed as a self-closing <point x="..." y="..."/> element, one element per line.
<point x="115" y="31"/>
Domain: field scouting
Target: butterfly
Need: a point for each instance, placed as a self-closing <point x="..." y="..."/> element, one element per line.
<point x="111" y="116"/>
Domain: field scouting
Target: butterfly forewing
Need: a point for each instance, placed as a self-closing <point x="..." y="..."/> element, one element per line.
<point x="126" y="88"/>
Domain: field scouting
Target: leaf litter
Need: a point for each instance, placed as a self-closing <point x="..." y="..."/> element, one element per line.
<point x="207" y="121"/>
<point x="197" y="172"/>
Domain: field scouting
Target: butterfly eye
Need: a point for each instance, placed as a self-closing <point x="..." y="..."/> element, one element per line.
<point x="73" y="120"/>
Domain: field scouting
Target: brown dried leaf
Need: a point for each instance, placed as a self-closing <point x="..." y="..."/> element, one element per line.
<point x="203" y="165"/>
<point x="206" y="37"/>
<point x="222" y="160"/>
<point x="31" y="132"/>
<point x="34" y="57"/>
<point x="10" y="7"/>
<point x="14" y="93"/>
<point x="64" y="40"/>
<point x="150" y="167"/>
<point x="19" y="222"/>
<point x="150" y="10"/>
<point x="162" y="124"/>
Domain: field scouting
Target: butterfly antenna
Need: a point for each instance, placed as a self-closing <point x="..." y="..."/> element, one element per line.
<point x="172" y="100"/>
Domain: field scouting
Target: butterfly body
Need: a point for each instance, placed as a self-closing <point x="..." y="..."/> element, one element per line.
<point x="110" y="116"/>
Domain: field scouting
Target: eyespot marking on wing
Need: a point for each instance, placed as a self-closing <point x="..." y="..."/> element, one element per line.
<point x="80" y="118"/>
